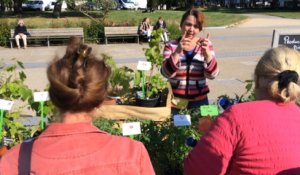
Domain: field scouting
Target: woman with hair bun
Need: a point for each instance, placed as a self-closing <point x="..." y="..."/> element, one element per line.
<point x="259" y="137"/>
<point x="78" y="85"/>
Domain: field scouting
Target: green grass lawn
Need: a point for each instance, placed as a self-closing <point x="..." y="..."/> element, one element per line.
<point x="120" y="17"/>
<point x="173" y="17"/>
<point x="285" y="13"/>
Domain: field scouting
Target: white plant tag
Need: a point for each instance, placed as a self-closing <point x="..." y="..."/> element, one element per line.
<point x="6" y="105"/>
<point x="40" y="96"/>
<point x="132" y="128"/>
<point x="144" y="65"/>
<point x="182" y="120"/>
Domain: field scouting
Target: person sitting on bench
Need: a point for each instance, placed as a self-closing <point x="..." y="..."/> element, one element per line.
<point x="21" y="32"/>
<point x="145" y="28"/>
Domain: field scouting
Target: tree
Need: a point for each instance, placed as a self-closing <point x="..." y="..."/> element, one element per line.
<point x="152" y="4"/>
<point x="106" y="5"/>
<point x="17" y="5"/>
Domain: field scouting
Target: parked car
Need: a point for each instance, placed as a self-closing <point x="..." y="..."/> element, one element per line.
<point x="91" y="6"/>
<point x="36" y="5"/>
<point x="126" y="4"/>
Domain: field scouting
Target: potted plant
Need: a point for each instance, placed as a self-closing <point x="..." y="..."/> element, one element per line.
<point x="155" y="84"/>
<point x="120" y="80"/>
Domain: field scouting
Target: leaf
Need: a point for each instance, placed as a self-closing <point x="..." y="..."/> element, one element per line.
<point x="20" y="64"/>
<point x="22" y="76"/>
<point x="11" y="68"/>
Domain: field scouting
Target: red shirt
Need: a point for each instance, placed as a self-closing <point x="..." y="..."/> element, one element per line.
<point x="261" y="137"/>
<point x="81" y="149"/>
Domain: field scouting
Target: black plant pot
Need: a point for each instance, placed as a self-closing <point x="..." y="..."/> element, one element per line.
<point x="147" y="102"/>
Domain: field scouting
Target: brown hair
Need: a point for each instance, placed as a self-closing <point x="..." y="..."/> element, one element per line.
<point x="197" y="14"/>
<point x="78" y="81"/>
<point x="270" y="67"/>
<point x="144" y="20"/>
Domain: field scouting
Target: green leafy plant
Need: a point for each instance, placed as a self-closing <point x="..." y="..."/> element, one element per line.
<point x="94" y="31"/>
<point x="110" y="126"/>
<point x="165" y="143"/>
<point x="154" y="83"/>
<point x="174" y="31"/>
<point x="120" y="78"/>
<point x="4" y="32"/>
<point x="12" y="88"/>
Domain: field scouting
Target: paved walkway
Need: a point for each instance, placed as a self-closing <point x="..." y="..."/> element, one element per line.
<point x="257" y="20"/>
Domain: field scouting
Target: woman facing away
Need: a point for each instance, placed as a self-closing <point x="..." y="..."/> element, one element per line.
<point x="78" y="85"/>
<point x="259" y="137"/>
<point x="189" y="60"/>
<point x="21" y="32"/>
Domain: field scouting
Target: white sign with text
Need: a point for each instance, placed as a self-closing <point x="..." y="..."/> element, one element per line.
<point x="6" y="105"/>
<point x="41" y="96"/>
<point x="132" y="128"/>
<point x="144" y="65"/>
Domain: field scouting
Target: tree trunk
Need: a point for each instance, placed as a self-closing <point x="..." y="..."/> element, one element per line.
<point x="57" y="9"/>
<point x="2" y="9"/>
<point x="17" y="6"/>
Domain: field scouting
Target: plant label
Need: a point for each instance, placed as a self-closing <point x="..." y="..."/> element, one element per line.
<point x="209" y="110"/>
<point x="182" y="120"/>
<point x="144" y="65"/>
<point x="132" y="128"/>
<point x="40" y="96"/>
<point x="6" y="105"/>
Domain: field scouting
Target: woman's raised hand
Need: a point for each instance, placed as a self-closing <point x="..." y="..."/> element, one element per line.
<point x="204" y="44"/>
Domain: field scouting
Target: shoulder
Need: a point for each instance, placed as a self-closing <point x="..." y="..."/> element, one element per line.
<point x="9" y="161"/>
<point x="263" y="105"/>
<point x="125" y="142"/>
<point x="247" y="107"/>
<point x="258" y="111"/>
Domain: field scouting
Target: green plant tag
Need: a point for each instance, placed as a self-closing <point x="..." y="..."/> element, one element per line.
<point x="42" y="114"/>
<point x="1" y="122"/>
<point x="209" y="110"/>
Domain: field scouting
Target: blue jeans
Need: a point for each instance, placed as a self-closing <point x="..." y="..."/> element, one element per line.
<point x="191" y="105"/>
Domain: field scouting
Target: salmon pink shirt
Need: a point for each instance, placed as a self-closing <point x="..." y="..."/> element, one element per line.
<point x="81" y="149"/>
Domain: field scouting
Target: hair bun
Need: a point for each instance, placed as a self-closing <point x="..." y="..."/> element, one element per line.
<point x="286" y="77"/>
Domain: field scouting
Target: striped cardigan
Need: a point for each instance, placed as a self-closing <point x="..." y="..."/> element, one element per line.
<point x="188" y="76"/>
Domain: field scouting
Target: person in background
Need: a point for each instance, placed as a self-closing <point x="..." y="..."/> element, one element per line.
<point x="259" y="137"/>
<point x="21" y="32"/>
<point x="145" y="28"/>
<point x="78" y="86"/>
<point x="188" y="61"/>
<point x="161" y="24"/>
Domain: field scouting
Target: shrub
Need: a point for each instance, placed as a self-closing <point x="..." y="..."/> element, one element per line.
<point x="13" y="88"/>
<point x="94" y="31"/>
<point x="174" y="31"/>
<point x="4" y="32"/>
<point x="165" y="142"/>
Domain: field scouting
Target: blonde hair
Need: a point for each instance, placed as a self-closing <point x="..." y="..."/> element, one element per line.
<point x="267" y="72"/>
<point x="20" y="21"/>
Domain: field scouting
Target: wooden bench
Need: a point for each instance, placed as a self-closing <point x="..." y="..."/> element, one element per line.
<point x="121" y="32"/>
<point x="49" y="34"/>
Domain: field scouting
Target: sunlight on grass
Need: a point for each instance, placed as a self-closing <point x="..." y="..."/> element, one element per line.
<point x="125" y="17"/>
